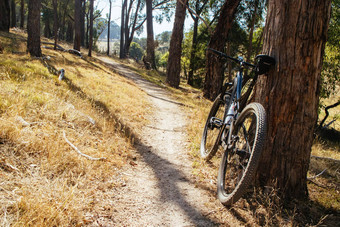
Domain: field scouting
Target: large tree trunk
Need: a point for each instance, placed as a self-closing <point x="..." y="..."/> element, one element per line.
<point x="55" y="24"/>
<point x="91" y="28"/>
<point x="69" y="32"/>
<point x="5" y="11"/>
<point x="83" y="36"/>
<point x="215" y="74"/>
<point x="295" y="34"/>
<point x="150" y="47"/>
<point x="13" y="14"/>
<point x="77" y="25"/>
<point x="33" y="28"/>
<point x="47" y="29"/>
<point x="122" y="53"/>
<point x="173" y="69"/>
<point x="108" y="30"/>
<point x="22" y="13"/>
<point x="193" y="54"/>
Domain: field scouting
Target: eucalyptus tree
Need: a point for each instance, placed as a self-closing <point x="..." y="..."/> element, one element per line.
<point x="13" y="14"/>
<point x="33" y="28"/>
<point x="174" y="61"/>
<point x="131" y="20"/>
<point x="77" y="25"/>
<point x="298" y="47"/>
<point x="4" y="15"/>
<point x="22" y="13"/>
<point x="108" y="28"/>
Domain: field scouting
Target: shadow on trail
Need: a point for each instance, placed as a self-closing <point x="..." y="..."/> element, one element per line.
<point x="168" y="175"/>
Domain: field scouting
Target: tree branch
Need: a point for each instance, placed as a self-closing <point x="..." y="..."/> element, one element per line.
<point x="77" y="150"/>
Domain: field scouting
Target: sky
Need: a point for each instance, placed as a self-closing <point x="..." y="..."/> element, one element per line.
<point x="116" y="11"/>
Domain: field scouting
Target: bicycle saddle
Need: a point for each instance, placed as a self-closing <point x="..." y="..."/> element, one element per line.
<point x="264" y="63"/>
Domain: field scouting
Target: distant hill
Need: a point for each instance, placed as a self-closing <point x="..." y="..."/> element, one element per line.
<point x="114" y="32"/>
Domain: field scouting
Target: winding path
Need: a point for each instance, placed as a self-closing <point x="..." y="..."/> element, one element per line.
<point x="158" y="189"/>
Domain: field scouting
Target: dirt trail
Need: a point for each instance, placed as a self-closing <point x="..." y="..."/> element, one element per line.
<point x="158" y="190"/>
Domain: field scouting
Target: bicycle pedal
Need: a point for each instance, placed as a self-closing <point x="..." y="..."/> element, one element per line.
<point x="215" y="122"/>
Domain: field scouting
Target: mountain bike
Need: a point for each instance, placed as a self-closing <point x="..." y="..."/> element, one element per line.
<point x="237" y="128"/>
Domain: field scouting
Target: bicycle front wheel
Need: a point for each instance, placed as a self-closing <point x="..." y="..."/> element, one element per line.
<point x="240" y="161"/>
<point x="211" y="133"/>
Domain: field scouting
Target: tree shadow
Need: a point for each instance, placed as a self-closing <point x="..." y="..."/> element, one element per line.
<point x="168" y="175"/>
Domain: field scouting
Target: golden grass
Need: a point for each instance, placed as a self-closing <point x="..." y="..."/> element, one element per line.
<point x="44" y="182"/>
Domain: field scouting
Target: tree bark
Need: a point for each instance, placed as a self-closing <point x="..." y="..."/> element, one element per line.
<point x="83" y="37"/>
<point x="33" y="28"/>
<point x="108" y="30"/>
<point x="47" y="29"/>
<point x="13" y="14"/>
<point x="122" y="53"/>
<point x="91" y="28"/>
<point x="5" y="12"/>
<point x="173" y="69"/>
<point x="215" y="74"/>
<point x="295" y="34"/>
<point x="77" y="25"/>
<point x="55" y="24"/>
<point x="69" y="32"/>
<point x="22" y="13"/>
<point x="150" y="43"/>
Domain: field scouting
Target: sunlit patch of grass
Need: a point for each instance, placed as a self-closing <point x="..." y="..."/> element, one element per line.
<point x="44" y="181"/>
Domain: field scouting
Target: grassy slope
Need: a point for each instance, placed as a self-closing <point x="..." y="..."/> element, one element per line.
<point x="43" y="181"/>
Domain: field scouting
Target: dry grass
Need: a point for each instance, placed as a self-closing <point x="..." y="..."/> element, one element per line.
<point x="43" y="181"/>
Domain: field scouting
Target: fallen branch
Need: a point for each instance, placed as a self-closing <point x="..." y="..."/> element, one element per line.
<point x="311" y="178"/>
<point x="77" y="150"/>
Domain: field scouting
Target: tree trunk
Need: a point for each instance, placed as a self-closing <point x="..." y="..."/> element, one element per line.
<point x="173" y="69"/>
<point x="77" y="25"/>
<point x="193" y="53"/>
<point x="22" y="13"/>
<point x="33" y="28"/>
<point x="122" y="53"/>
<point x="295" y="34"/>
<point x="55" y="24"/>
<point x="82" y="24"/>
<point x="13" y="14"/>
<point x="5" y="12"/>
<point x="47" y="29"/>
<point x="215" y="74"/>
<point x="150" y="47"/>
<point x="69" y="32"/>
<point x="108" y="30"/>
<point x="199" y="9"/>
<point x="91" y="28"/>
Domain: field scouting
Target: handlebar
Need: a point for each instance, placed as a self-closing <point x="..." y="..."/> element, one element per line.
<point x="238" y="61"/>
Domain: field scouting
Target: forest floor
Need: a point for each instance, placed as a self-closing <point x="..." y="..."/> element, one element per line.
<point x="149" y="135"/>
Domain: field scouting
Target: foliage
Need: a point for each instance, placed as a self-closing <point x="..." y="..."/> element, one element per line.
<point x="136" y="52"/>
<point x="164" y="37"/>
<point x="331" y="61"/>
<point x="163" y="60"/>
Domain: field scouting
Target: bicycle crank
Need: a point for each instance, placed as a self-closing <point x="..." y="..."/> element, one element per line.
<point x="215" y="123"/>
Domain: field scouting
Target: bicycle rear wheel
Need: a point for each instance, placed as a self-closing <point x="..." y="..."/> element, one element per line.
<point x="211" y="133"/>
<point x="239" y="163"/>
